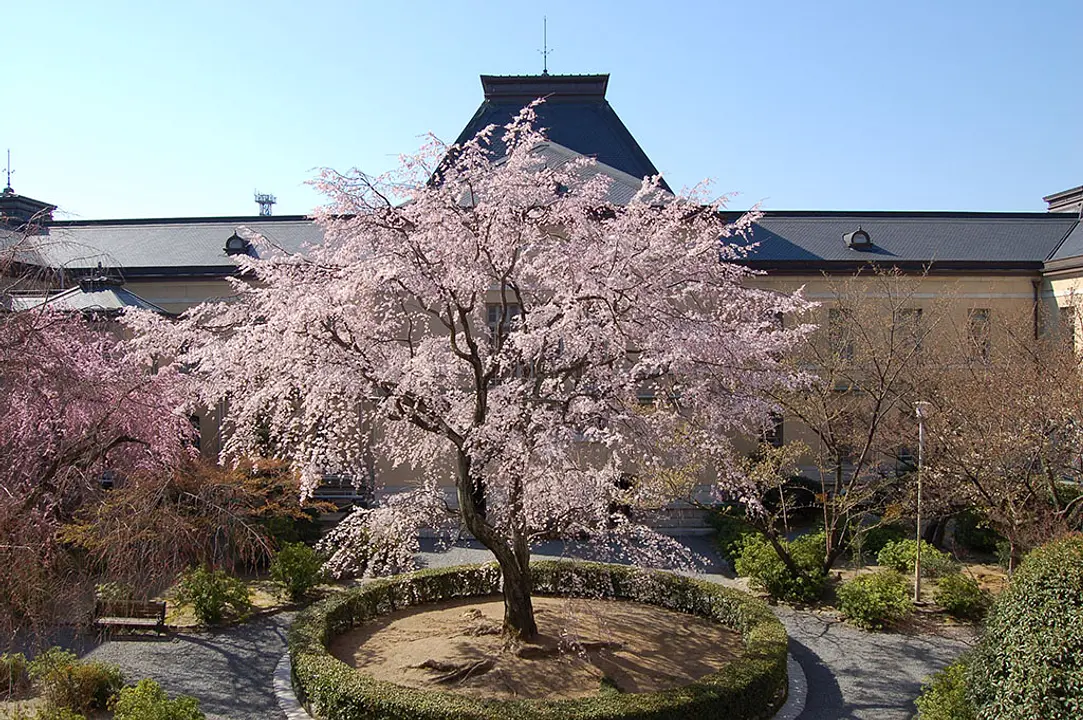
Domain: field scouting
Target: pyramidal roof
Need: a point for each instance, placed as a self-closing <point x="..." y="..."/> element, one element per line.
<point x="575" y="114"/>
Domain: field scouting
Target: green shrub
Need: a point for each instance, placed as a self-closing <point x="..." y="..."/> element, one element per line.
<point x="961" y="596"/>
<point x="750" y="686"/>
<point x="868" y="542"/>
<point x="972" y="531"/>
<point x="67" y="682"/>
<point x="211" y="593"/>
<point x="876" y="600"/>
<point x="13" y="678"/>
<point x="147" y="701"/>
<point x="730" y="534"/>
<point x="1029" y="662"/>
<point x="50" y="661"/>
<point x="297" y="568"/>
<point x="944" y="697"/>
<point x="53" y="713"/>
<point x="899" y="555"/>
<point x="766" y="571"/>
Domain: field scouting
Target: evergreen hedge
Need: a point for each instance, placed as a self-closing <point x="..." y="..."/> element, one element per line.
<point x="750" y="687"/>
<point x="1029" y="662"/>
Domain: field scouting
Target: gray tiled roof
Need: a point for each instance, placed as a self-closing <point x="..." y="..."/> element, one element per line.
<point x="1072" y="247"/>
<point x="788" y="241"/>
<point x="622" y="187"/>
<point x="188" y="246"/>
<point x="196" y="246"/>
<point x="812" y="239"/>
<point x="575" y="115"/>
<point x="94" y="299"/>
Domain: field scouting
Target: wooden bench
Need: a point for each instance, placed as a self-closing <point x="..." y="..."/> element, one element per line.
<point x="130" y="614"/>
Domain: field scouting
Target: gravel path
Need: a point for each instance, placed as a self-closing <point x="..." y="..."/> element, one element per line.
<point x="851" y="673"/>
<point x="229" y="671"/>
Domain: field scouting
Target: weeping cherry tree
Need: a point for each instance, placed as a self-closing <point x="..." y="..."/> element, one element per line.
<point x="496" y="322"/>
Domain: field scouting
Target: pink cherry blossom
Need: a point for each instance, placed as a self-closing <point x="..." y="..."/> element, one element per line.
<point x="493" y="323"/>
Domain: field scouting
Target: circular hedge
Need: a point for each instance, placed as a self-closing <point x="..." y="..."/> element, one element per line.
<point x="752" y="686"/>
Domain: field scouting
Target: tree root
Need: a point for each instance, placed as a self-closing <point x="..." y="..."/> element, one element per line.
<point x="536" y="652"/>
<point x="457" y="672"/>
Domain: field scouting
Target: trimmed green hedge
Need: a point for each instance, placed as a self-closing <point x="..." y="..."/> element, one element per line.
<point x="1029" y="662"/>
<point x="750" y="687"/>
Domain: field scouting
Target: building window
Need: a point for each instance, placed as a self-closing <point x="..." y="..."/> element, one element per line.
<point x="908" y="328"/>
<point x="905" y="461"/>
<point x="1069" y="319"/>
<point x="501" y="320"/>
<point x="839" y="333"/>
<point x="772" y="434"/>
<point x="978" y="334"/>
<point x="197" y="432"/>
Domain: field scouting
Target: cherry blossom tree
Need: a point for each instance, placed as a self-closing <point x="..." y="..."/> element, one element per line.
<point x="497" y="322"/>
<point x="76" y="408"/>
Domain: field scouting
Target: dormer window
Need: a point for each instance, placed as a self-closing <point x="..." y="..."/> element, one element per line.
<point x="237" y="245"/>
<point x="858" y="239"/>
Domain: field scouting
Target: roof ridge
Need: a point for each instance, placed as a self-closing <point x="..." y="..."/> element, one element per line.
<point x="1063" y="239"/>
<point x="181" y="220"/>
<point x="916" y="214"/>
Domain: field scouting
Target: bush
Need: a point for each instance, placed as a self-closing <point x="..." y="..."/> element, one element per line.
<point x="973" y="533"/>
<point x="899" y="555"/>
<point x="68" y="683"/>
<point x="730" y="534"/>
<point x="876" y="600"/>
<point x="766" y="571"/>
<point x="747" y="687"/>
<point x="1029" y="662"/>
<point x="52" y="713"/>
<point x="49" y="662"/>
<point x="961" y="596"/>
<point x="211" y="593"/>
<point x="870" y="541"/>
<point x="147" y="701"/>
<point x="297" y="568"/>
<point x="13" y="678"/>
<point x="944" y="697"/>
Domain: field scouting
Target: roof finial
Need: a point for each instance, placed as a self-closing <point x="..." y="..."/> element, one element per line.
<point x="8" y="187"/>
<point x="545" y="45"/>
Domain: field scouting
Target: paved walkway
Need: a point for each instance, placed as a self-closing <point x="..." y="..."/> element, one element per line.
<point x="851" y="673"/>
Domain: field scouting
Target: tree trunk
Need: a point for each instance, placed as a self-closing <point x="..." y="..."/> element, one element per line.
<point x="518" y="607"/>
<point x="514" y="561"/>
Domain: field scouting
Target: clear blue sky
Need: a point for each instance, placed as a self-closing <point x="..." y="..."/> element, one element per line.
<point x="147" y="109"/>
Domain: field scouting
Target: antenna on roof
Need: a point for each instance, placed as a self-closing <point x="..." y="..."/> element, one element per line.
<point x="265" y="200"/>
<point x="545" y="45"/>
<point x="8" y="187"/>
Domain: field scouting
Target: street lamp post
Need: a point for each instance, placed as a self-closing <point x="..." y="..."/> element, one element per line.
<point x="919" y="409"/>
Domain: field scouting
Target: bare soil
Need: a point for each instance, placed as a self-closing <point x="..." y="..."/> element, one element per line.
<point x="457" y="646"/>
